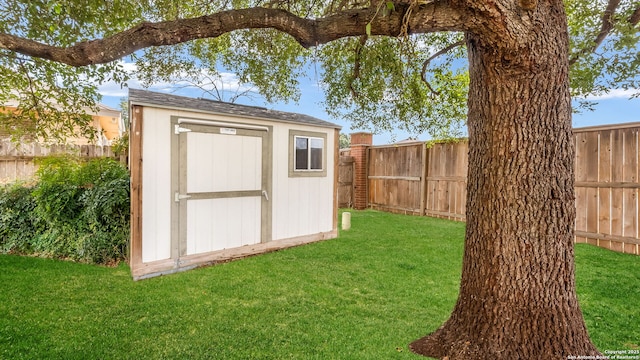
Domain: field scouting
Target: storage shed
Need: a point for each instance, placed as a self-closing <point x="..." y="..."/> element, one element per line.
<point x="213" y="181"/>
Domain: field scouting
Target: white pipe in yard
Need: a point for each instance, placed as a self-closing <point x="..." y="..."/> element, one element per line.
<point x="346" y="220"/>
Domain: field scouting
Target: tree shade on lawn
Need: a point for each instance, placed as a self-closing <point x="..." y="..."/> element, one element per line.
<point x="389" y="278"/>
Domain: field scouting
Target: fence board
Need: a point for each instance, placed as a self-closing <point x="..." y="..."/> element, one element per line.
<point x="580" y="161"/>
<point x="446" y="180"/>
<point x="17" y="162"/>
<point x="581" y="209"/>
<point x="617" y="153"/>
<point x="604" y="206"/>
<point x="630" y="167"/>
<point x="346" y="170"/>
<point x="629" y="210"/>
<point x="616" y="212"/>
<point x="591" y="209"/>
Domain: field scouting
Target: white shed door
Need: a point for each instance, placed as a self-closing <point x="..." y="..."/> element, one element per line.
<point x="222" y="187"/>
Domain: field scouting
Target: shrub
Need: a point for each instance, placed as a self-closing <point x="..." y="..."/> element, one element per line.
<point x="18" y="222"/>
<point x="78" y="210"/>
<point x="106" y="215"/>
<point x="59" y="188"/>
<point x="121" y="145"/>
<point x="101" y="170"/>
<point x="105" y="204"/>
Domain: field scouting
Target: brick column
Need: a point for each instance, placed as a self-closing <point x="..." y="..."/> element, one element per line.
<point x="360" y="142"/>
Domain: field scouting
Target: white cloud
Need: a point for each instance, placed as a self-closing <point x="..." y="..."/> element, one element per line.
<point x="613" y="94"/>
<point x="112" y="89"/>
<point x="224" y="81"/>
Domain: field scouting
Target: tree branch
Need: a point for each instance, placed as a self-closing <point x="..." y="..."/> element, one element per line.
<point x="356" y="67"/>
<point x="608" y="21"/>
<point x="308" y="32"/>
<point x="634" y="19"/>
<point x="426" y="63"/>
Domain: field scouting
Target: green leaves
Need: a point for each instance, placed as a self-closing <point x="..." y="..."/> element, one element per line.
<point x="51" y="99"/>
<point x="48" y="100"/>
<point x="391" y="6"/>
<point x="386" y="8"/>
<point x="388" y="92"/>
<point x="604" y="57"/>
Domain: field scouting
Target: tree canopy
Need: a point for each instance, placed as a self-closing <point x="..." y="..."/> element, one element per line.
<point x="381" y="64"/>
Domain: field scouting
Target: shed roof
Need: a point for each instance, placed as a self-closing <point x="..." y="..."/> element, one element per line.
<point x="144" y="97"/>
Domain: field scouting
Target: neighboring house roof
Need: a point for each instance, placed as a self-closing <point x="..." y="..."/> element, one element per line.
<point x="408" y="141"/>
<point x="143" y="97"/>
<point x="106" y="110"/>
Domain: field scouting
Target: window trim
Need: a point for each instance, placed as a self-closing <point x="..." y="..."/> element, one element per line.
<point x="293" y="134"/>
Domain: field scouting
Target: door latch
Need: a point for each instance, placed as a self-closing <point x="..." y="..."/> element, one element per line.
<point x="177" y="197"/>
<point x="266" y="196"/>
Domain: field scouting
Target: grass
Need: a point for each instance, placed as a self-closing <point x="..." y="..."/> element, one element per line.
<point x="388" y="281"/>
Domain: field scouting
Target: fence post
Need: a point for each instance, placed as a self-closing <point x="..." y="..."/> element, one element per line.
<point x="423" y="185"/>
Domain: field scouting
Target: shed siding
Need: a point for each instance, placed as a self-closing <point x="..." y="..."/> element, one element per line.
<point x="301" y="205"/>
<point x="223" y="163"/>
<point x="223" y="153"/>
<point x="227" y="216"/>
<point x="156" y="189"/>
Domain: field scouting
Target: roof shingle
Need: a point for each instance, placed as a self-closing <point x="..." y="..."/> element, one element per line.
<point x="144" y="97"/>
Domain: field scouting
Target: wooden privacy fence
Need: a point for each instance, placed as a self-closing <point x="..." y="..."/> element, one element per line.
<point x="414" y="178"/>
<point x="17" y="161"/>
<point x="607" y="187"/>
<point x="396" y="178"/>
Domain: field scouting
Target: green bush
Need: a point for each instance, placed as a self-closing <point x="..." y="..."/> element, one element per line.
<point x="78" y="210"/>
<point x="106" y="215"/>
<point x="58" y="190"/>
<point x="18" y="222"/>
<point x="121" y="145"/>
<point x="57" y="241"/>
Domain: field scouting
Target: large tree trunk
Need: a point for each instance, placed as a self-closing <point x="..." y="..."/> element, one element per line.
<point x="517" y="296"/>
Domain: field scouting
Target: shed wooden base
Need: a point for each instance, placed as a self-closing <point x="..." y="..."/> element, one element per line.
<point x="169" y="266"/>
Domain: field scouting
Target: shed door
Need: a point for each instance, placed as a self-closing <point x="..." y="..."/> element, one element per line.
<point x="223" y="186"/>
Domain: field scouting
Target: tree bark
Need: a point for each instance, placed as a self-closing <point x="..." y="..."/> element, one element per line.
<point x="517" y="296"/>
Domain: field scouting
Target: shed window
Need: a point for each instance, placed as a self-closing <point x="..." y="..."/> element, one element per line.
<point x="307" y="153"/>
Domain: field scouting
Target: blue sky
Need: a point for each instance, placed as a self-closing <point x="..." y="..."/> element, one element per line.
<point x="612" y="108"/>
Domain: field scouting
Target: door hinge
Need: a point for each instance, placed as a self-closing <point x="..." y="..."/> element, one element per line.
<point x="178" y="130"/>
<point x="177" y="197"/>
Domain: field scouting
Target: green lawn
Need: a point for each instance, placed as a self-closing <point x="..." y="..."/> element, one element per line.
<point x="388" y="281"/>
